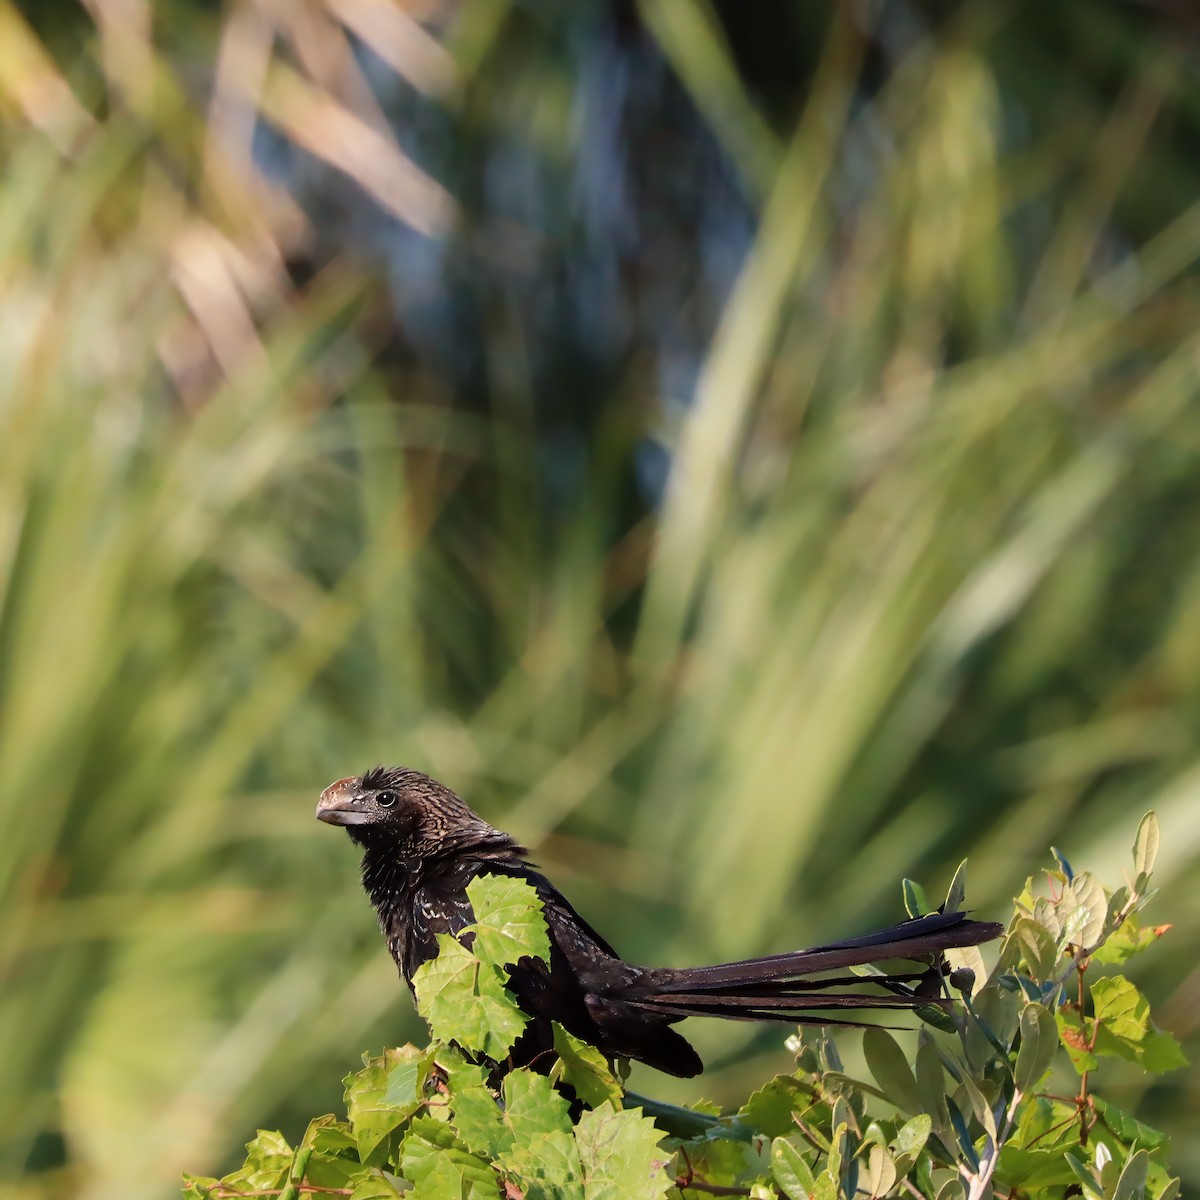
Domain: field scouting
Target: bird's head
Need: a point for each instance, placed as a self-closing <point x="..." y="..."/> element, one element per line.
<point x="402" y="808"/>
<point x="383" y="800"/>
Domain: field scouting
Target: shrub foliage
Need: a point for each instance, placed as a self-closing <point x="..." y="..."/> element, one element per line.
<point x="999" y="1095"/>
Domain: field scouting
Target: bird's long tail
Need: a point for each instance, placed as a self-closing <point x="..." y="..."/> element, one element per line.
<point x="786" y="987"/>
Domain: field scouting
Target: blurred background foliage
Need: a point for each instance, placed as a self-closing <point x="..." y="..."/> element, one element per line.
<point x="750" y="452"/>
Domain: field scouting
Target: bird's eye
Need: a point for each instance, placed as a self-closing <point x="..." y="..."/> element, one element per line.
<point x="386" y="799"/>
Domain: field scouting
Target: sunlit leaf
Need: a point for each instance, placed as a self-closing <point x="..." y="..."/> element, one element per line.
<point x="1145" y="845"/>
<point x="508" y="920"/>
<point x="620" y="1156"/>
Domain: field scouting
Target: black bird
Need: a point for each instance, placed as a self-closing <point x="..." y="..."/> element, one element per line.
<point x="422" y="846"/>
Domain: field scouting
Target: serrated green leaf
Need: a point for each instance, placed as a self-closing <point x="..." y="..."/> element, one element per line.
<point x="372" y="1119"/>
<point x="376" y="1187"/>
<point x="1129" y="938"/>
<point x="531" y="1105"/>
<point x="1076" y="1036"/>
<point x="465" y="1001"/>
<point x="620" y="1156"/>
<point x="1128" y="1129"/>
<point x="769" y="1109"/>
<point x="197" y="1187"/>
<point x="439" y="1166"/>
<point x="1039" y="1044"/>
<point x="333" y="1171"/>
<point x="509" y="923"/>
<point x="915" y="902"/>
<point x="586" y="1070"/>
<point x="477" y="1116"/>
<point x="546" y="1167"/>
<point x="1145" y="844"/>
<point x="459" y="1070"/>
<point x="268" y="1163"/>
<point x="330" y="1136"/>
<point x="406" y="1080"/>
<point x="890" y="1068"/>
<point x="1122" y="1015"/>
<point x="790" y="1170"/>
<point x="1031" y="1169"/>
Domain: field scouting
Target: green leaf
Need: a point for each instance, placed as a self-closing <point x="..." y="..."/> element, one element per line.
<point x="1129" y="938"/>
<point x="1132" y="1182"/>
<point x="439" y="1166"/>
<point x="881" y="1172"/>
<point x="980" y="1106"/>
<point x="585" y="1069"/>
<point x="197" y="1187"/>
<point x="957" y="892"/>
<point x="1039" y="1044"/>
<point x="1038" y="949"/>
<point x="915" y="902"/>
<point x="790" y="1170"/>
<point x="912" y="1136"/>
<point x="826" y="1186"/>
<point x="1126" y="1128"/>
<point x="890" y="1068"/>
<point x="546" y="1167"/>
<point x="509" y="924"/>
<point x="1086" y="894"/>
<point x="376" y="1187"/>
<point x="1076" y="1034"/>
<point x="769" y="1109"/>
<point x="1088" y="1181"/>
<point x="268" y="1162"/>
<point x="372" y="1118"/>
<point x="931" y="1082"/>
<point x="476" y="1115"/>
<point x="620" y="1156"/>
<point x="406" y="1080"/>
<point x="1032" y="1169"/>
<point x="465" y="1001"/>
<point x="1145" y="845"/>
<point x="1125" y="1029"/>
<point x="532" y="1106"/>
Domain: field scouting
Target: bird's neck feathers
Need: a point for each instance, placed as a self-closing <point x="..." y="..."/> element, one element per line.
<point x="393" y="867"/>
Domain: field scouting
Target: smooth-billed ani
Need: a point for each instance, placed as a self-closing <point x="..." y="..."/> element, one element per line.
<point x="422" y="846"/>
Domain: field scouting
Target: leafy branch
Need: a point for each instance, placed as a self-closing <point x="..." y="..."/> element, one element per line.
<point x="977" y="1107"/>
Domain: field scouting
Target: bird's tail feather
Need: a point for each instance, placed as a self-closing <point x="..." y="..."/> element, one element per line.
<point x="780" y="987"/>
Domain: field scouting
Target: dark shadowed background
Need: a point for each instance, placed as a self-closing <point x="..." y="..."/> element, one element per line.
<point x="749" y="452"/>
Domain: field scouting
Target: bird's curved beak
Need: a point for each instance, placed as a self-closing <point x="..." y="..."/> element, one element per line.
<point x="341" y="804"/>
